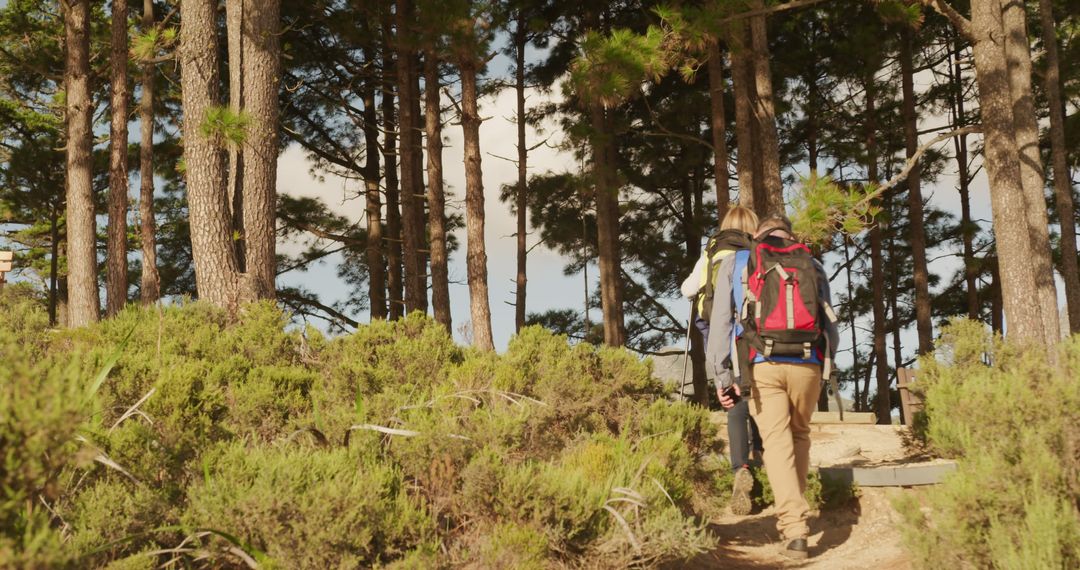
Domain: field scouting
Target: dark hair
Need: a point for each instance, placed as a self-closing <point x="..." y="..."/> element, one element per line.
<point x="774" y="222"/>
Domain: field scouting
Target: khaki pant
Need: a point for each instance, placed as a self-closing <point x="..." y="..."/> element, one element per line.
<point x="783" y="398"/>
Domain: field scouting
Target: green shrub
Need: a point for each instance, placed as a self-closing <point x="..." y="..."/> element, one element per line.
<point x="391" y="447"/>
<point x="1013" y="427"/>
<point x="307" y="508"/>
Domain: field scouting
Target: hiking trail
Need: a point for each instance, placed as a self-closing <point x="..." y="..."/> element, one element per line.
<point x="862" y="534"/>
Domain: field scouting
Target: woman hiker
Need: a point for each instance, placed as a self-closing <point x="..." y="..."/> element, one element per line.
<point x="735" y="234"/>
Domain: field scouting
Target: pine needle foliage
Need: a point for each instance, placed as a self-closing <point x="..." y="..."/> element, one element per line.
<point x="226" y="124"/>
<point x="821" y="209"/>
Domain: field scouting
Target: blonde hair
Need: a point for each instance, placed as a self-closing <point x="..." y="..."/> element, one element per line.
<point x="740" y="218"/>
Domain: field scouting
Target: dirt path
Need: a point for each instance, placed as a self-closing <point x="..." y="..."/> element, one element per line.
<point x="862" y="535"/>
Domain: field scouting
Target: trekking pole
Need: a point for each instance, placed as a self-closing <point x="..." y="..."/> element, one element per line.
<point x="686" y="354"/>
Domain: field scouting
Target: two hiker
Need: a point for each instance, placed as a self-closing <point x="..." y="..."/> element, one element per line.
<point x="772" y="337"/>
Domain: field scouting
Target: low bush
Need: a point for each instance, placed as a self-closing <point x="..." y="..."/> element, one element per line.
<point x="221" y="440"/>
<point x="1011" y="419"/>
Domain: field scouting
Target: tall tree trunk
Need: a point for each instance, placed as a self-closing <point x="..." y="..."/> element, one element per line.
<point x="1026" y="129"/>
<point x="116" y="280"/>
<point x="54" y="264"/>
<point x="691" y="232"/>
<point x="420" y="218"/>
<point x="150" y="282"/>
<point x="607" y="226"/>
<point x="1063" y="197"/>
<point x="1016" y="267"/>
<point x="476" y="256"/>
<point x="373" y="202"/>
<point x="234" y="25"/>
<point x="217" y="275"/>
<point x="395" y="297"/>
<point x="415" y="292"/>
<point x="997" y="304"/>
<point x="967" y="226"/>
<point x="262" y="78"/>
<point x="883" y="405"/>
<point x="765" y="115"/>
<point x="749" y="163"/>
<point x="920" y="272"/>
<point x="440" y="273"/>
<point x="83" y="302"/>
<point x="719" y="130"/>
<point x="521" y="281"/>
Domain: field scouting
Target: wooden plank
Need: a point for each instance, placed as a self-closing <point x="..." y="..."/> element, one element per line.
<point x="7" y="256"/>
<point x="5" y="266"/>
<point x="849" y="418"/>
<point x="820" y="418"/>
<point x="910" y="403"/>
<point x="891" y="476"/>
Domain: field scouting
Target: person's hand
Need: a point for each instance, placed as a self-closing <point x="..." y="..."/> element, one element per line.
<point x="725" y="397"/>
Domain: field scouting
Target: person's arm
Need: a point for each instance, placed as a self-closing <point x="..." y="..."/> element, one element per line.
<point x="692" y="284"/>
<point x="720" y="322"/>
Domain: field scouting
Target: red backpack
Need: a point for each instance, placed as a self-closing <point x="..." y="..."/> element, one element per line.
<point x="782" y="313"/>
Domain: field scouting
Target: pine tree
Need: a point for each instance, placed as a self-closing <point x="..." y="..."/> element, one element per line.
<point x="1063" y="196"/>
<point x="150" y="280"/>
<point x="116" y="283"/>
<point x="468" y="55"/>
<point x="408" y="124"/>
<point x="83" y="303"/>
<point x="205" y="124"/>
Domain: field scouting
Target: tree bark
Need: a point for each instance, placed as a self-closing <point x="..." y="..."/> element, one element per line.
<point x="607" y="226"/>
<point x="883" y="405"/>
<point x="54" y="264"/>
<point x="440" y="272"/>
<point x="217" y="275"/>
<point x="420" y="217"/>
<point x="116" y="281"/>
<point x="150" y="281"/>
<point x="1063" y="197"/>
<point x="476" y="255"/>
<point x="1015" y="255"/>
<point x="395" y="297"/>
<point x="373" y="202"/>
<point x="415" y="292"/>
<point x="719" y="130"/>
<point x="920" y="272"/>
<point x="749" y="163"/>
<point x="1026" y="129"/>
<point x="83" y="302"/>
<point x="765" y="115"/>
<point x="261" y="81"/>
<point x="521" y="281"/>
<point x="234" y="25"/>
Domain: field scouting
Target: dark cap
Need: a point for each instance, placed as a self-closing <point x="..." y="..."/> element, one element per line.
<point x="774" y="222"/>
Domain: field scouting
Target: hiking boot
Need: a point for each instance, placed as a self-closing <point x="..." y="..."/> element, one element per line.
<point x="740" y="493"/>
<point x="796" y="549"/>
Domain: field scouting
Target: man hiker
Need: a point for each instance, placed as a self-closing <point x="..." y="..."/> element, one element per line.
<point x="777" y="309"/>
<point x="736" y="231"/>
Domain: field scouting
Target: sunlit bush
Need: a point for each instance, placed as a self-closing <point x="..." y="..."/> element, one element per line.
<point x="1011" y="419"/>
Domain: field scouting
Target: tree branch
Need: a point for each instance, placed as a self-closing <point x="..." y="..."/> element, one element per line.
<point x="289" y="295"/>
<point x="911" y="162"/>
<point x="770" y="10"/>
<point x="962" y="24"/>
